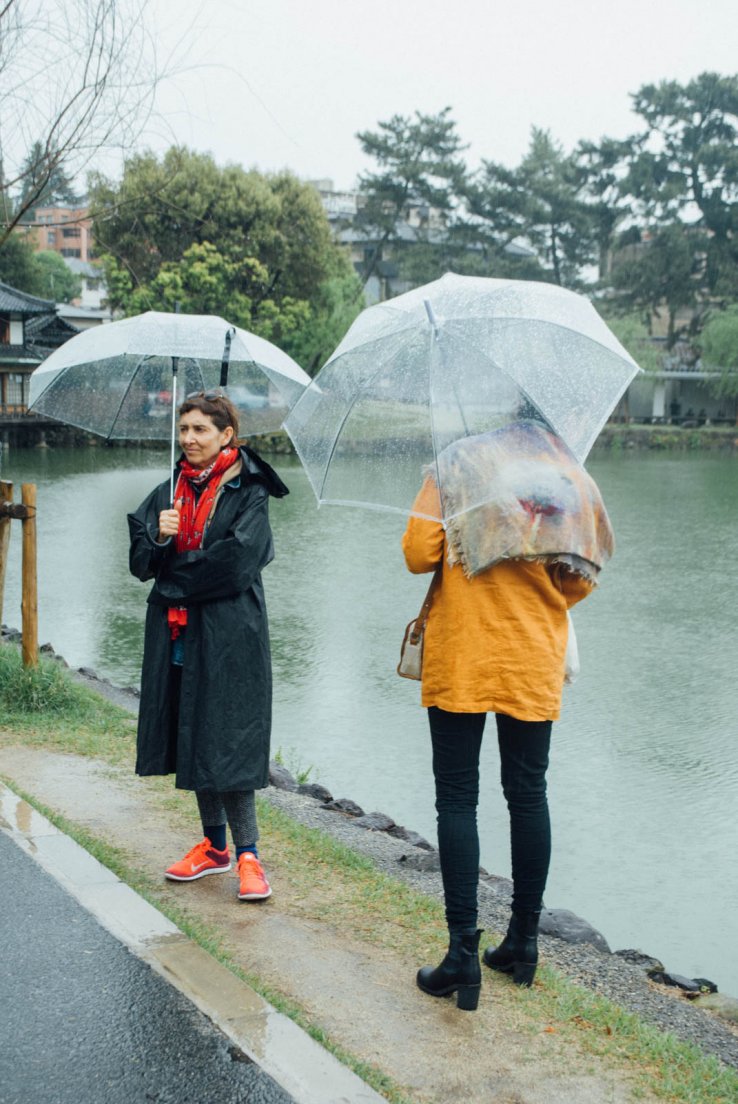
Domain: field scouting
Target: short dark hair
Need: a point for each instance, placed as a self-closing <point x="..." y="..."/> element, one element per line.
<point x="218" y="408"/>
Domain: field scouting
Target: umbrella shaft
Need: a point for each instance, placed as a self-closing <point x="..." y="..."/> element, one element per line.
<point x="175" y="366"/>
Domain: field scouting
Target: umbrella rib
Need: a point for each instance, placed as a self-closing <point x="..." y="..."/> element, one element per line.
<point x="134" y="373"/>
<point x="526" y="319"/>
<point x="433" y="421"/>
<point x="62" y="372"/>
<point x="566" y="329"/>
<point x="351" y="406"/>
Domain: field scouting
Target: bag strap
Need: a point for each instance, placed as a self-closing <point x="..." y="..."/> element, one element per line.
<point x="420" y="620"/>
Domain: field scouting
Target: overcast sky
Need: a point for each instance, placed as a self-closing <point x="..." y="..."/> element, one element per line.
<point x="278" y="84"/>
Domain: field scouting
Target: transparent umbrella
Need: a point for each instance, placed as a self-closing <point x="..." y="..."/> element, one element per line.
<point x="456" y="358"/>
<point x="122" y="380"/>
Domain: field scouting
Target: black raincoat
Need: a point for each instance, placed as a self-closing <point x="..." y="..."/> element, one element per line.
<point x="222" y="739"/>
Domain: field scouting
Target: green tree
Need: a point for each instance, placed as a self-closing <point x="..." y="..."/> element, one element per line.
<point x="720" y="349"/>
<point x="338" y="301"/>
<point x="43" y="274"/>
<point x="687" y="160"/>
<point x="203" y="281"/>
<point x="601" y="166"/>
<point x="539" y="201"/>
<point x="661" y="273"/>
<point x="256" y="249"/>
<point x="633" y="333"/>
<point x="18" y="265"/>
<point x="44" y="182"/>
<point x="55" y="279"/>
<point x="420" y="170"/>
<point x="162" y="207"/>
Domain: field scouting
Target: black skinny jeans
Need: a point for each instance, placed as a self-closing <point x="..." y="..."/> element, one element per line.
<point x="524" y="748"/>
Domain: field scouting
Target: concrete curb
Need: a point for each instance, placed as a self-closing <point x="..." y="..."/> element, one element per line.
<point x="310" y="1074"/>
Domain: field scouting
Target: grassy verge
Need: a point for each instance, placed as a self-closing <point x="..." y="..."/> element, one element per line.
<point x="375" y="907"/>
<point x="47" y="707"/>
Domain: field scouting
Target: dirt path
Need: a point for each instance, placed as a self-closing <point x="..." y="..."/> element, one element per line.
<point x="361" y="993"/>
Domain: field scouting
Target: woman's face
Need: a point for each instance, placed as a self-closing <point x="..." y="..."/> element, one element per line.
<point x="200" y="439"/>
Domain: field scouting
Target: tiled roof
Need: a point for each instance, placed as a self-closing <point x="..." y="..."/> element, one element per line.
<point x="13" y="300"/>
<point x="50" y="323"/>
<point x="18" y="354"/>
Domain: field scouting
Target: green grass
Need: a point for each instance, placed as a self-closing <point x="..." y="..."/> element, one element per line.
<point x="289" y="760"/>
<point x="48" y="707"/>
<point x="668" y="1067"/>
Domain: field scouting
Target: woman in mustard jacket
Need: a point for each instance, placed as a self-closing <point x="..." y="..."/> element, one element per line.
<point x="494" y="642"/>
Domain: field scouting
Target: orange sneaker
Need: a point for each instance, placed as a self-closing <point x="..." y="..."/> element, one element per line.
<point x="201" y="860"/>
<point x="254" y="886"/>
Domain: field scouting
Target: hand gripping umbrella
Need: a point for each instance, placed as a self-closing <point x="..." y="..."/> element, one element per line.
<point x="456" y="358"/>
<point x="121" y="380"/>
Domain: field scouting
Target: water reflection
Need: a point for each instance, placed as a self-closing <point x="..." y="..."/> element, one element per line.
<point x="644" y="772"/>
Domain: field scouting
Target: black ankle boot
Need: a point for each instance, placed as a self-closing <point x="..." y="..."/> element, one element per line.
<point x="518" y="952"/>
<point x="458" y="973"/>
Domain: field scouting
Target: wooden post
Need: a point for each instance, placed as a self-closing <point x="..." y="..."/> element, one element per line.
<point x="29" y="600"/>
<point x="6" y="495"/>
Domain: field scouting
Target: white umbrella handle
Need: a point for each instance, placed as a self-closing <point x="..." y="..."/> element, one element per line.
<point x="175" y="365"/>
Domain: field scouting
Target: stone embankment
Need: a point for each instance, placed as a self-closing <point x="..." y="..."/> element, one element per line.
<point x="690" y="1008"/>
<point x="613" y="438"/>
<point x="662" y="438"/>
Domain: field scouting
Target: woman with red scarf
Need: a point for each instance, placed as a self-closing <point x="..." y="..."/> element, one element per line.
<point x="206" y="683"/>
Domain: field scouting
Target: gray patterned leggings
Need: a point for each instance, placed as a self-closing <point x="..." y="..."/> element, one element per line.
<point x="237" y="807"/>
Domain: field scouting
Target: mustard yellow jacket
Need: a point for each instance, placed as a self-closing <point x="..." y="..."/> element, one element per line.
<point x="494" y="643"/>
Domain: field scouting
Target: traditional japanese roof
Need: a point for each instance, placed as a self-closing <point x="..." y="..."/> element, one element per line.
<point x="19" y="355"/>
<point x="49" y="329"/>
<point x="21" y="303"/>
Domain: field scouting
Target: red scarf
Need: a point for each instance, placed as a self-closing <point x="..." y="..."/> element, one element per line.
<point x="194" y="513"/>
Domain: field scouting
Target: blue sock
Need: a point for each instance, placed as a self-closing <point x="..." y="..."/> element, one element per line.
<point x="216" y="833"/>
<point x="249" y="847"/>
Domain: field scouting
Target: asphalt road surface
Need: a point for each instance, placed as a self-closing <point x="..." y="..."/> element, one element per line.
<point x="83" y="1021"/>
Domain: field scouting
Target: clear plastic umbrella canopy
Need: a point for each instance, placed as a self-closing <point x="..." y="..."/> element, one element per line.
<point x="118" y="380"/>
<point x="458" y="357"/>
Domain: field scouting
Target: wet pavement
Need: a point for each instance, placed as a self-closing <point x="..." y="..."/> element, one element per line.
<point x="102" y="999"/>
<point x="83" y="1020"/>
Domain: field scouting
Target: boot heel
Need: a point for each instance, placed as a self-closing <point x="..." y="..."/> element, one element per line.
<point x="467" y="997"/>
<point x="523" y="973"/>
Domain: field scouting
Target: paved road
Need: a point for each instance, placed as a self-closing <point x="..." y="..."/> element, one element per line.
<point x="83" y="1021"/>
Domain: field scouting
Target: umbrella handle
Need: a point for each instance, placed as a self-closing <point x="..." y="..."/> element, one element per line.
<point x="175" y="365"/>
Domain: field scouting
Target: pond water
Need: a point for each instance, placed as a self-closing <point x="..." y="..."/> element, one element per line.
<point x="644" y="775"/>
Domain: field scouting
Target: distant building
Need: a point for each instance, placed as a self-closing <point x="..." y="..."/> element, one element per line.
<point x="65" y="230"/>
<point x="681" y="392"/>
<point x="30" y="329"/>
<point x="94" y="292"/>
<point x="421" y="224"/>
<point x="82" y="318"/>
<point x="68" y="232"/>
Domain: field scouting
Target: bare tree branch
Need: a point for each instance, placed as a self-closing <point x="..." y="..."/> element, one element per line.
<point x="78" y="76"/>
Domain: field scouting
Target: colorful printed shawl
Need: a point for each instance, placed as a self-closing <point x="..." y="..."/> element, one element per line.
<point x="519" y="493"/>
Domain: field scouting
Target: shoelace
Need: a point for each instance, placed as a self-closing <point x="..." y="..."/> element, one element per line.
<point x="198" y="851"/>
<point x="252" y="863"/>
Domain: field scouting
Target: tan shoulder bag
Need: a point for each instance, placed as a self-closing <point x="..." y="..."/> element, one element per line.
<point x="411" y="652"/>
